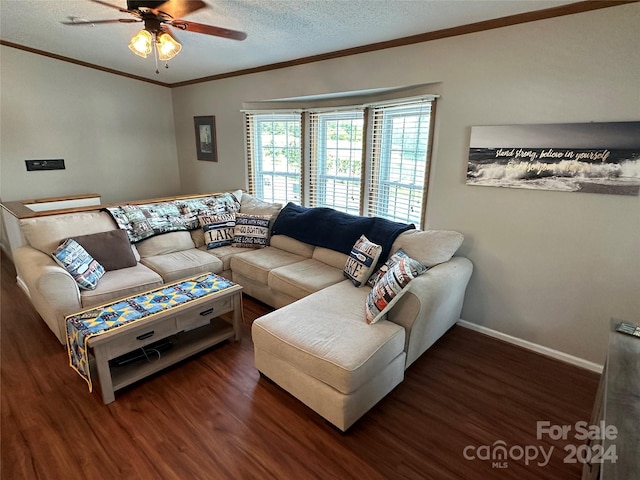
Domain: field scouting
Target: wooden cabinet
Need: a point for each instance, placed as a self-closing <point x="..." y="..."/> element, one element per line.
<point x="617" y="405"/>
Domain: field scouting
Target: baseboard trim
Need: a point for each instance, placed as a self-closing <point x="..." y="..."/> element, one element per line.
<point x="549" y="352"/>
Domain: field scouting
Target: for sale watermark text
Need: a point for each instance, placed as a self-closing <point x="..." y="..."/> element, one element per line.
<point x="500" y="453"/>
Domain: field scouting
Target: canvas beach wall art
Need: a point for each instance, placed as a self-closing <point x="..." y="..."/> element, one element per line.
<point x="572" y="157"/>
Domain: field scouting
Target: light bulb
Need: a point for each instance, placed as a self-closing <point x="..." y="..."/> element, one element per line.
<point x="167" y="46"/>
<point x="141" y="43"/>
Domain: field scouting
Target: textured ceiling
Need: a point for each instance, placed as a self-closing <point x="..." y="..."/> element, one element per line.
<point x="278" y="30"/>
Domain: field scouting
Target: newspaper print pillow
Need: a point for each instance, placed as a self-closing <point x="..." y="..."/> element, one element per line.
<point x="390" y="288"/>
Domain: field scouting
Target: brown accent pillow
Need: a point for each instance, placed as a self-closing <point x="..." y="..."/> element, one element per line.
<point x="111" y="249"/>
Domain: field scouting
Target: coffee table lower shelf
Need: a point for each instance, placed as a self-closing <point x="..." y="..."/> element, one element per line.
<point x="184" y="345"/>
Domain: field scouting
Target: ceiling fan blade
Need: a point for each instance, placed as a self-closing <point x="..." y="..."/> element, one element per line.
<point x="172" y="33"/>
<point x="97" y="22"/>
<point x="110" y="5"/>
<point x="180" y="8"/>
<point x="208" y="29"/>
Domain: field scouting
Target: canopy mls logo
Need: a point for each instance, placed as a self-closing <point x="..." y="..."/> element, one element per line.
<point x="500" y="453"/>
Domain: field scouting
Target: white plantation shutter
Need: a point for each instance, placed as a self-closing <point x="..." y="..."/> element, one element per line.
<point x="336" y="141"/>
<point x="274" y="156"/>
<point x="249" y="129"/>
<point x="370" y="160"/>
<point x="399" y="140"/>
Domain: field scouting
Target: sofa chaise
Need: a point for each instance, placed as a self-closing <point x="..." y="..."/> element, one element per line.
<point x="317" y="344"/>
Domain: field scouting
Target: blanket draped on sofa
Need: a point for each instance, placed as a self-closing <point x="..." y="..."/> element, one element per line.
<point x="329" y="228"/>
<point x="142" y="221"/>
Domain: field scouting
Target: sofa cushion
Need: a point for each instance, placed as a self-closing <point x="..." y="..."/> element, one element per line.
<point x="326" y="338"/>
<point x="225" y="254"/>
<point x="330" y="257"/>
<point x="163" y="244"/>
<point x="84" y="269"/>
<point x="121" y="283"/>
<point x="46" y="233"/>
<point x="292" y="245"/>
<point x="388" y="290"/>
<point x="254" y="206"/>
<point x="197" y="236"/>
<point x="218" y="229"/>
<point x="362" y="261"/>
<point x="136" y="254"/>
<point x="303" y="278"/>
<point x="429" y="247"/>
<point x="251" y="231"/>
<point x="256" y="264"/>
<point x="185" y="263"/>
<point x="111" y="249"/>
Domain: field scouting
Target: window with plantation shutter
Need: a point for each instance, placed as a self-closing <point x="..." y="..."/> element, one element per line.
<point x="398" y="161"/>
<point x="370" y="160"/>
<point x="274" y="156"/>
<point x="335" y="173"/>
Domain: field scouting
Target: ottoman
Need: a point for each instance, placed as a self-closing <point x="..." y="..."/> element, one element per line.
<point x="321" y="350"/>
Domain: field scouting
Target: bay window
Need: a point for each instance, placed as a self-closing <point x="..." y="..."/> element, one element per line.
<point x="370" y="160"/>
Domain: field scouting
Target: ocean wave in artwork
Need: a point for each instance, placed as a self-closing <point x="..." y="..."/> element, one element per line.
<point x="622" y="177"/>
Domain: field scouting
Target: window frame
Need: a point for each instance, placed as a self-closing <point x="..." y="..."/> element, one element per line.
<point x="256" y="171"/>
<point x="372" y="142"/>
<point x="380" y="185"/>
<point x="319" y="178"/>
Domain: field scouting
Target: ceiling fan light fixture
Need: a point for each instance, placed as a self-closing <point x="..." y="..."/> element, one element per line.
<point x="156" y="35"/>
<point x="141" y="43"/>
<point x="168" y="47"/>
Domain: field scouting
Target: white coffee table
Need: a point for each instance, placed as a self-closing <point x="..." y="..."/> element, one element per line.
<point x="192" y="327"/>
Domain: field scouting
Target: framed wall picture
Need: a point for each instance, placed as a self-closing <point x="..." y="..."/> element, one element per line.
<point x="569" y="157"/>
<point x="205" y="129"/>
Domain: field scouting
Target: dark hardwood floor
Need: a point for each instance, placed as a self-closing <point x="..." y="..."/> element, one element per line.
<point x="214" y="417"/>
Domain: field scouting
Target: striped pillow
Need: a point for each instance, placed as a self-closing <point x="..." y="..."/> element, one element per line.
<point x="362" y="261"/>
<point x="251" y="231"/>
<point x="218" y="229"/>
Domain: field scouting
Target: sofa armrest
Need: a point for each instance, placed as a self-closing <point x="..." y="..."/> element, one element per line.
<point x="432" y="305"/>
<point x="54" y="292"/>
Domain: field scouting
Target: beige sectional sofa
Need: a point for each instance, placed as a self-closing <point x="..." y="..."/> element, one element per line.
<point x="320" y="349"/>
<point x="317" y="344"/>
<point x="160" y="259"/>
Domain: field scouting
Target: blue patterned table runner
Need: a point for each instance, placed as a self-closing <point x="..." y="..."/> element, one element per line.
<point x="89" y="323"/>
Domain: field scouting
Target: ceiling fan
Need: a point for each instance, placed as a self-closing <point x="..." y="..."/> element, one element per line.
<point x="159" y="16"/>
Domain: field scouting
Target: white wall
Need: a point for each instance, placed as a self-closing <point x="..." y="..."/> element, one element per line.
<point x="550" y="267"/>
<point x="115" y="134"/>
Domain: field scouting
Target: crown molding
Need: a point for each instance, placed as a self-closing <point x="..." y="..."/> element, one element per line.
<point x="547" y="13"/>
<point x="81" y="63"/>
